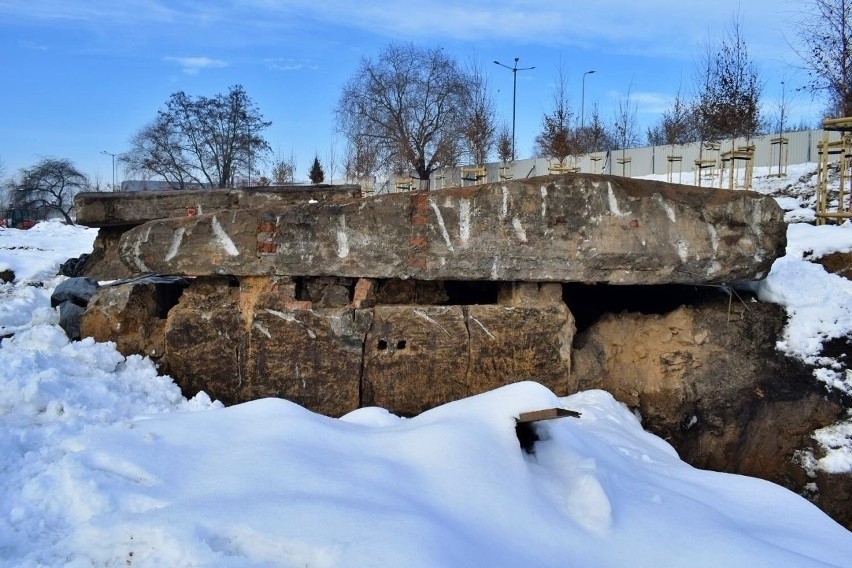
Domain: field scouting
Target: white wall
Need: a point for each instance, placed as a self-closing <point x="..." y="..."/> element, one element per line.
<point x="648" y="160"/>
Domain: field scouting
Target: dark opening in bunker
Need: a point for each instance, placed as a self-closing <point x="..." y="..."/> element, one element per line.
<point x="464" y="293"/>
<point x="588" y="302"/>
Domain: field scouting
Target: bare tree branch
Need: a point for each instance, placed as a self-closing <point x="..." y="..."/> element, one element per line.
<point x="824" y="31"/>
<point x="406" y="110"/>
<point x="50" y="185"/>
<point x="201" y="141"/>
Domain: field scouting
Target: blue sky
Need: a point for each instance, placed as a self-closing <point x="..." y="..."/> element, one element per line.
<point x="81" y="77"/>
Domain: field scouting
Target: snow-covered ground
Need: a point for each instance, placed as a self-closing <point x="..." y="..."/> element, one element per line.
<point x="106" y="464"/>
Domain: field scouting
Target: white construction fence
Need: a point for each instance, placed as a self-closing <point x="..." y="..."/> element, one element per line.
<point x="678" y="162"/>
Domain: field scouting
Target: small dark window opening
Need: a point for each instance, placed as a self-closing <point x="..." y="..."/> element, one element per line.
<point x="301" y="290"/>
<point x="400" y="344"/>
<point x="464" y="293"/>
<point x="383" y="344"/>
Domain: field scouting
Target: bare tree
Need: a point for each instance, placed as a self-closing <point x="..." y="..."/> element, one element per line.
<point x="201" y="141"/>
<point x="479" y="132"/>
<point x="781" y="117"/>
<point x="50" y="185"/>
<point x="504" y="144"/>
<point x="625" y="130"/>
<point x="824" y="33"/>
<point x="361" y="160"/>
<point x="676" y="125"/>
<point x="593" y="136"/>
<point x="5" y="186"/>
<point x="283" y="171"/>
<point x="555" y="141"/>
<point x="655" y="135"/>
<point x="410" y="106"/>
<point x="728" y="102"/>
<point x="331" y="159"/>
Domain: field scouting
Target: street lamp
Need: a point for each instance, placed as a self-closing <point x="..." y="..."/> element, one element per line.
<point x="781" y="127"/>
<point x="514" y="71"/>
<point x="113" y="166"/>
<point x="583" y="100"/>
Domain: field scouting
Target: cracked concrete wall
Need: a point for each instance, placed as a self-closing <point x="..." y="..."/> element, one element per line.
<point x="244" y="339"/>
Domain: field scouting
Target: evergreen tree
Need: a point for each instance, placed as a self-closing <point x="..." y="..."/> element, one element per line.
<point x="316" y="175"/>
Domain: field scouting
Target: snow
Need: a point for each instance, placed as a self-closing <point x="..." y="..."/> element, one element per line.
<point x="35" y="255"/>
<point x="104" y="463"/>
<point x="818" y="304"/>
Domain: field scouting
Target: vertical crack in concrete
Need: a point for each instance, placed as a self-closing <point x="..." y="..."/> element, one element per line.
<point x="469" y="368"/>
<point x="363" y="369"/>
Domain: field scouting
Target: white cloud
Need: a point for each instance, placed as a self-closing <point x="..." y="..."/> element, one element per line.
<point x="645" y="101"/>
<point x="192" y="65"/>
<point x="650" y="27"/>
<point x="33" y="46"/>
<point x="279" y="64"/>
<point x="652" y="102"/>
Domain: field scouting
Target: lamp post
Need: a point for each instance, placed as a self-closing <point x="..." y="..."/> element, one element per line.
<point x="514" y="71"/>
<point x="583" y="100"/>
<point x="113" y="166"/>
<point x="781" y="127"/>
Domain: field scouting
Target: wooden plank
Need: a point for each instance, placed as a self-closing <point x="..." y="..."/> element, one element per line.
<point x="842" y="124"/>
<point x="546" y="414"/>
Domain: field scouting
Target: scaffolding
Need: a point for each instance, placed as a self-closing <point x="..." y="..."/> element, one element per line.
<point x="728" y="164"/>
<point x="782" y="143"/>
<point x="558" y="167"/>
<point x="593" y="160"/>
<point x="671" y="160"/>
<point x="842" y="148"/>
<point x="368" y="189"/>
<point x="404" y="183"/>
<point x="472" y="174"/>
<point x="440" y="178"/>
<point x="705" y="163"/>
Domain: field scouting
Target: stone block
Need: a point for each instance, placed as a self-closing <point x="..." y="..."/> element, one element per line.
<point x="570" y="228"/>
<point x="104" y="262"/>
<point x="410" y="292"/>
<point x="132" y="314"/>
<point x="415" y="358"/>
<point x="206" y="341"/>
<point x="311" y="357"/>
<point x="510" y="344"/>
<point x="123" y="208"/>
<point x="530" y="294"/>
